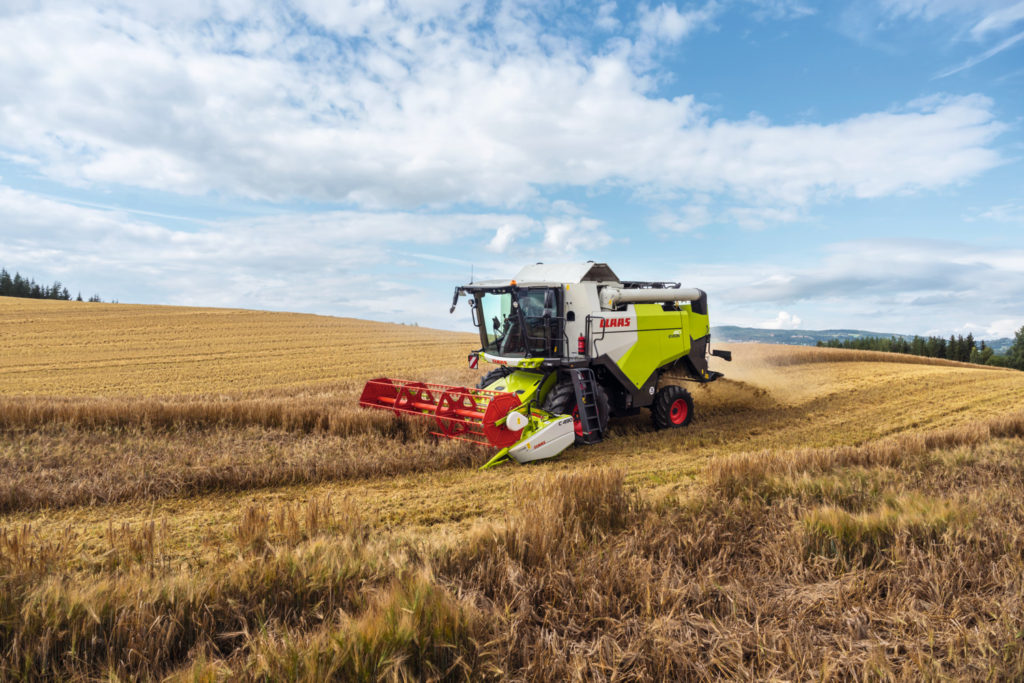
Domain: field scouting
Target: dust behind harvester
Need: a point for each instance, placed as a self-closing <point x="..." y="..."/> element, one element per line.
<point x="573" y="346"/>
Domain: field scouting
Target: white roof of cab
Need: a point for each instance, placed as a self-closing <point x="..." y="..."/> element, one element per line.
<point x="570" y="273"/>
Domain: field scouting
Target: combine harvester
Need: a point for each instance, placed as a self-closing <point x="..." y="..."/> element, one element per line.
<point x="573" y="345"/>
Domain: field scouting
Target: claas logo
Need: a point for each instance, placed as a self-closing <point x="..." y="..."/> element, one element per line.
<point x="615" y="322"/>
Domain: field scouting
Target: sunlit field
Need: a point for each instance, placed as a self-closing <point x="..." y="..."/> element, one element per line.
<point x="193" y="493"/>
<point x="71" y="349"/>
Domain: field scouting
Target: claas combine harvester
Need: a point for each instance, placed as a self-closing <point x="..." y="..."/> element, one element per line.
<point x="573" y="346"/>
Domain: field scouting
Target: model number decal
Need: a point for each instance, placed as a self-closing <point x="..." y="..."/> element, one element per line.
<point x="615" y="322"/>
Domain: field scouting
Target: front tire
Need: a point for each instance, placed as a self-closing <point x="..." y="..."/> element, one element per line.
<point x="493" y="376"/>
<point x="672" y="407"/>
<point x="561" y="400"/>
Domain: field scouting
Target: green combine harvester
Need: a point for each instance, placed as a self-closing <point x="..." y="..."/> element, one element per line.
<point x="573" y="346"/>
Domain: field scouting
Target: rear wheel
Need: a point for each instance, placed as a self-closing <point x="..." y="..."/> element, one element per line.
<point x="561" y="400"/>
<point x="493" y="376"/>
<point x="672" y="407"/>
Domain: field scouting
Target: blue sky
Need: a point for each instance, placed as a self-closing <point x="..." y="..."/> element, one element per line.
<point x="812" y="165"/>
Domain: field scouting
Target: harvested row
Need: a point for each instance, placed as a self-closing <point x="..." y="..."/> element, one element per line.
<point x="55" y="469"/>
<point x="328" y="414"/>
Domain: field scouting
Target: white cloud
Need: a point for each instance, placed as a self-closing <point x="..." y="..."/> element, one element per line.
<point x="503" y="237"/>
<point x="982" y="17"/>
<point x="1010" y="212"/>
<point x="683" y="219"/>
<point x="666" y="22"/>
<point x="783" y="321"/>
<point x="327" y="262"/>
<point x="606" y="17"/>
<point x="759" y="217"/>
<point x="700" y="211"/>
<point x="931" y="10"/>
<point x="399" y="266"/>
<point x="427" y="113"/>
<point x="987" y="54"/>
<point x="999" y="20"/>
<point x="568" y="236"/>
<point x="782" y="9"/>
<point x="905" y="286"/>
<point x="1006" y="327"/>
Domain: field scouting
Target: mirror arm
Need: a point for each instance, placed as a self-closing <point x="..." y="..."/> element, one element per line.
<point x="455" y="300"/>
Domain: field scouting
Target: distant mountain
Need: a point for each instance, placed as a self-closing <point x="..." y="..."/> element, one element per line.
<point x="1000" y="345"/>
<point x="728" y="333"/>
<point x="794" y="337"/>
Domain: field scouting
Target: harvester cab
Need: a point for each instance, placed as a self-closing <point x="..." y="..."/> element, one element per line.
<point x="573" y="346"/>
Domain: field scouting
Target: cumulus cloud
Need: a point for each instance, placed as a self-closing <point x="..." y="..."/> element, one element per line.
<point x="318" y="262"/>
<point x="278" y="103"/>
<point x="605" y="18"/>
<point x="897" y="285"/>
<point x="571" y="235"/>
<point x="666" y="22"/>
<point x="783" y="321"/>
<point x="503" y="237"/>
<point x="1006" y="327"/>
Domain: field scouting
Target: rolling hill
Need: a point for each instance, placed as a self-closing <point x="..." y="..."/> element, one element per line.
<point x="733" y="333"/>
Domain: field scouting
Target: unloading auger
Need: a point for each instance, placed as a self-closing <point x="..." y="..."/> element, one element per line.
<point x="573" y="346"/>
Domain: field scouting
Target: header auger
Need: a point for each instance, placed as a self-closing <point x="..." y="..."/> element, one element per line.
<point x="573" y="346"/>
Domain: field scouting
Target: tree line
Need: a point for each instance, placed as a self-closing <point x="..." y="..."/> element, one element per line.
<point x="959" y="348"/>
<point x="27" y="288"/>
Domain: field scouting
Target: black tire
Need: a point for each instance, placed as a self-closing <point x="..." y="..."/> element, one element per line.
<point x="493" y="376"/>
<point x="561" y="400"/>
<point x="672" y="407"/>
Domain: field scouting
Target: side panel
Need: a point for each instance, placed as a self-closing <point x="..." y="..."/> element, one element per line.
<point x="524" y="384"/>
<point x="614" y="342"/>
<point x="699" y="324"/>
<point x="663" y="337"/>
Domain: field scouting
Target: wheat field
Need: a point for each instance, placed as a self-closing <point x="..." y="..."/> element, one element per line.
<point x="192" y="493"/>
<point x="60" y="348"/>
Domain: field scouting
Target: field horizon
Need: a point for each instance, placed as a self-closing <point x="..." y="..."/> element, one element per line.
<point x="208" y="472"/>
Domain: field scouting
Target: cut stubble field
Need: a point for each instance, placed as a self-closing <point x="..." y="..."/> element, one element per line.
<point x="203" y="455"/>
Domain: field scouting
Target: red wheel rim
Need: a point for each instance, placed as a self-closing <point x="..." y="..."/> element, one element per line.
<point x="679" y="411"/>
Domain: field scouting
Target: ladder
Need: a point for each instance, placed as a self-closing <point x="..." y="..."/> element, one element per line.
<point x="586" y="402"/>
